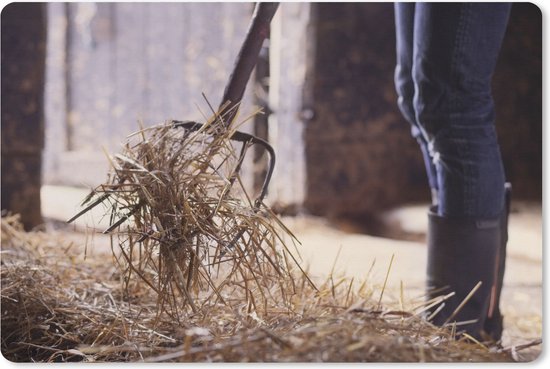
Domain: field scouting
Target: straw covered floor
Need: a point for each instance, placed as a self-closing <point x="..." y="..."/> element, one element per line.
<point x="59" y="306"/>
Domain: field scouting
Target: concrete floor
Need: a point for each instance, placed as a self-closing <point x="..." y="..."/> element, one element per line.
<point x="341" y="247"/>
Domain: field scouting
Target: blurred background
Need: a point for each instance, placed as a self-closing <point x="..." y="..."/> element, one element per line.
<point x="349" y="179"/>
<point x="77" y="77"/>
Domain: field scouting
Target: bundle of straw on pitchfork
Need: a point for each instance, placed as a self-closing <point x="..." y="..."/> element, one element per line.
<point x="186" y="224"/>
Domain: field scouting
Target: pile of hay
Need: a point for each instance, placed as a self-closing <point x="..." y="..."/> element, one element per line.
<point x="59" y="306"/>
<point x="201" y="271"/>
<point x="186" y="225"/>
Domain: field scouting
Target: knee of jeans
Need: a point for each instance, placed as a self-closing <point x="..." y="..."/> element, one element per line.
<point x="444" y="101"/>
<point x="404" y="87"/>
<point x="431" y="99"/>
<point x="403" y="80"/>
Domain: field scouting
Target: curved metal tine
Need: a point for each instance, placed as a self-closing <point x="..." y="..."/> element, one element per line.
<point x="246" y="139"/>
<point x="269" y="149"/>
<point x="232" y="178"/>
<point x="243" y="137"/>
<point x="259" y="199"/>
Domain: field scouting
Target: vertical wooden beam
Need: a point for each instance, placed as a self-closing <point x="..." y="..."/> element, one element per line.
<point x="289" y="65"/>
<point x="69" y="35"/>
<point x="23" y="64"/>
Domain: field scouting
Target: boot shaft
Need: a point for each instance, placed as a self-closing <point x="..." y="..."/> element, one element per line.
<point x="462" y="253"/>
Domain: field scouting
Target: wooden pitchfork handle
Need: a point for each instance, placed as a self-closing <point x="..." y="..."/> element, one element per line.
<point x="247" y="58"/>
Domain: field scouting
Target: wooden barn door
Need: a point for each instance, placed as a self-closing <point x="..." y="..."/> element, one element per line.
<point x="110" y="65"/>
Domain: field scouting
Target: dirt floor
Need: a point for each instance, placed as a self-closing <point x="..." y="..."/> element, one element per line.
<point x="344" y="248"/>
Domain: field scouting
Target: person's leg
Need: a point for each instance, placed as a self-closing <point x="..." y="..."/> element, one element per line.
<point x="404" y="25"/>
<point x="455" y="51"/>
<point x="455" y="48"/>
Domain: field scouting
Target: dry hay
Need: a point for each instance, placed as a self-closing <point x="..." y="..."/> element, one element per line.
<point x="186" y="225"/>
<point x="58" y="306"/>
<point x="201" y="272"/>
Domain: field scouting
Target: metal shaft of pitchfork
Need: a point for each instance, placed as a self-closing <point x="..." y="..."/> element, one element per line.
<point x="247" y="58"/>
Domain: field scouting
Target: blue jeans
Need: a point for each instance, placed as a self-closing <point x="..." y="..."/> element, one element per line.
<point x="446" y="55"/>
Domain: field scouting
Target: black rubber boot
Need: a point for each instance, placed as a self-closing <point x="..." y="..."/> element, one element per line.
<point x="461" y="253"/>
<point x="494" y="322"/>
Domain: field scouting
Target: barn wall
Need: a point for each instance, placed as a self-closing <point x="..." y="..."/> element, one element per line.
<point x="111" y="65"/>
<point x="359" y="153"/>
<point x="342" y="145"/>
<point x="517" y="87"/>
